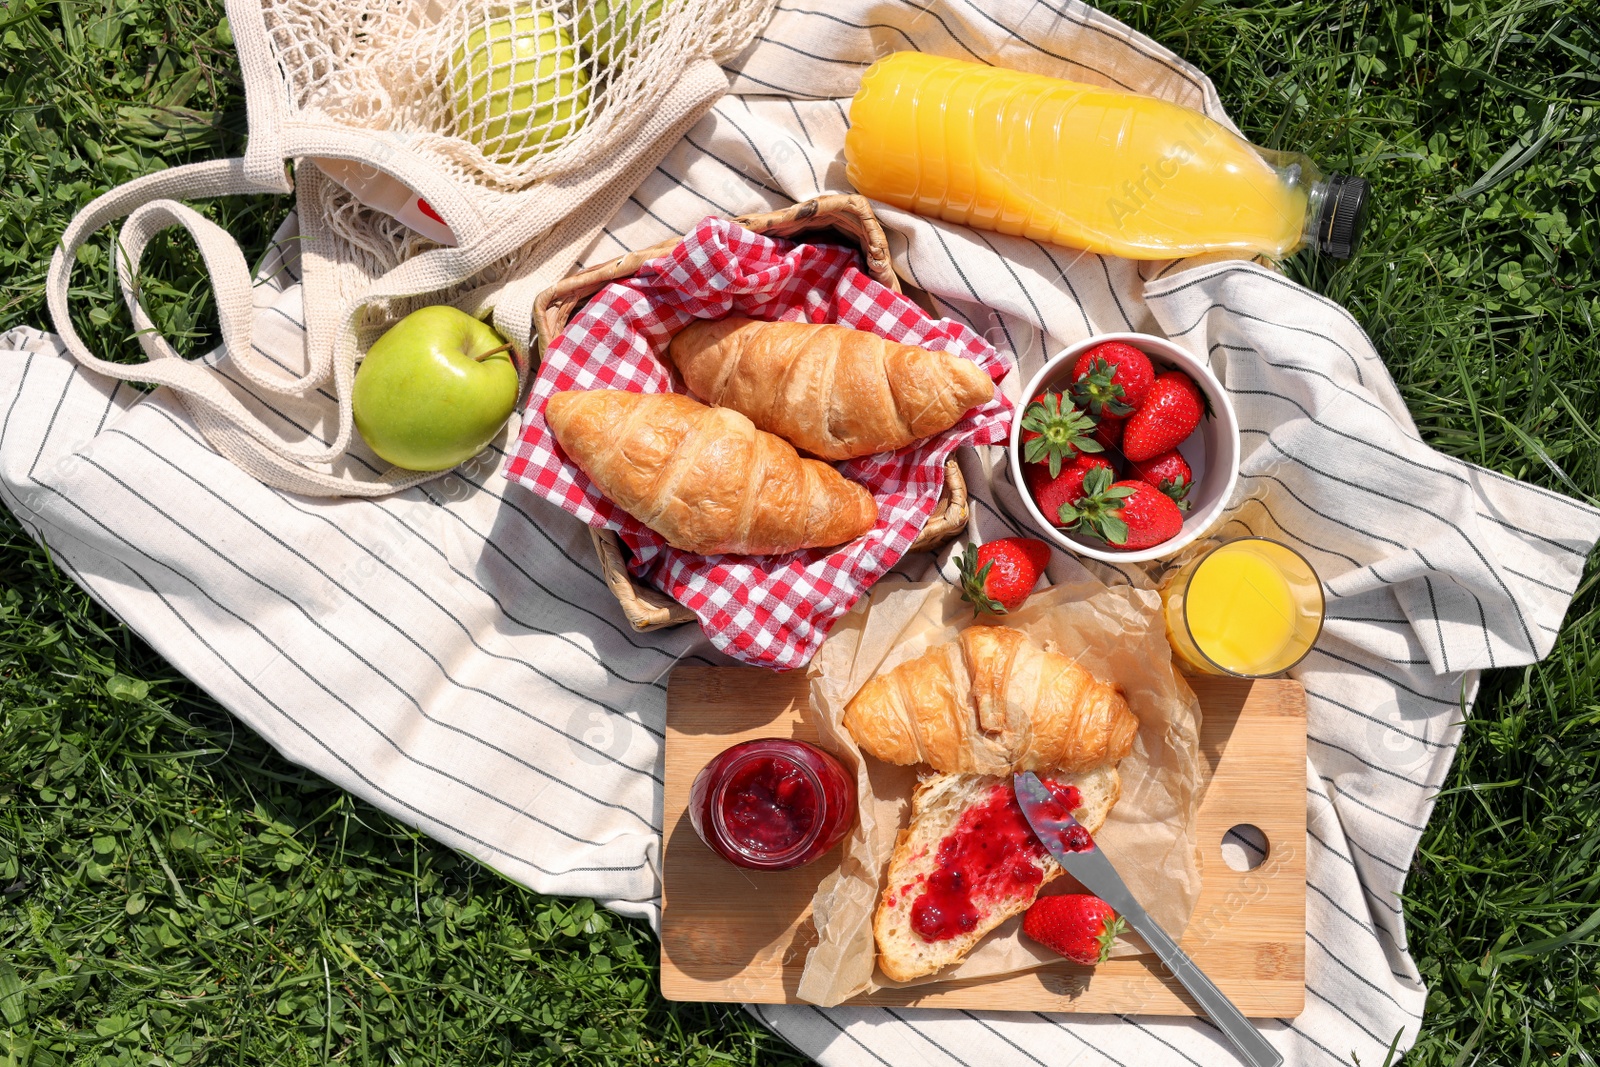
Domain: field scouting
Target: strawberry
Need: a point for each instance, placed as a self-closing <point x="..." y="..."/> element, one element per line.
<point x="997" y="576"/>
<point x="1029" y="435"/>
<point x="1112" y="378"/>
<point x="1170" y="413"/>
<point x="1080" y="926"/>
<point x="1108" y="431"/>
<point x="1126" y="515"/>
<point x="1065" y="488"/>
<point x="1170" y="473"/>
<point x="1054" y="432"/>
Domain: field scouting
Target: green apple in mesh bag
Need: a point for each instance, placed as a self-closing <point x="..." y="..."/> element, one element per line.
<point x="520" y="85"/>
<point x="607" y="27"/>
<point x="434" y="390"/>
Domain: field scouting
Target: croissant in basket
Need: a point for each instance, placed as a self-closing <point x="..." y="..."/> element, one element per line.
<point x="828" y="390"/>
<point x="705" y="478"/>
<point x="992" y="702"/>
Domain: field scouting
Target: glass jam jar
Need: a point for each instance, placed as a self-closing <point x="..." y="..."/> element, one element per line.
<point x="772" y="804"/>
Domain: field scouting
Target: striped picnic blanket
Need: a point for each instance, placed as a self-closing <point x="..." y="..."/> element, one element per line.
<point x="452" y="655"/>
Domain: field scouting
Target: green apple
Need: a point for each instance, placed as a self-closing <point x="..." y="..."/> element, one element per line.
<point x="607" y="28"/>
<point x="520" y="85"/>
<point x="434" y="390"/>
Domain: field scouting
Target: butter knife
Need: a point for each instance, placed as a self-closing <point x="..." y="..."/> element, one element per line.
<point x="1073" y="848"/>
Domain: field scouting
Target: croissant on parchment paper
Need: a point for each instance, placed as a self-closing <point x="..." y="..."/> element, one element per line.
<point x="705" y="478"/>
<point x="992" y="702"/>
<point x="828" y="390"/>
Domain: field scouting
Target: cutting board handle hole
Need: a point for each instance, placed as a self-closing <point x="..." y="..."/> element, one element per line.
<point x="1244" y="847"/>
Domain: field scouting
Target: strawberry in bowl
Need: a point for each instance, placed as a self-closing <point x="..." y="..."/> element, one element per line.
<point x="1171" y="411"/>
<point x="1168" y="472"/>
<point x="1051" y="494"/>
<point x="1056" y="432"/>
<point x="1111" y="380"/>
<point x="1131" y="515"/>
<point x="1143" y="442"/>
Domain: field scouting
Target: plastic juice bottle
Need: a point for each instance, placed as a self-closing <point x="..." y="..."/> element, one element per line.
<point x="1108" y="171"/>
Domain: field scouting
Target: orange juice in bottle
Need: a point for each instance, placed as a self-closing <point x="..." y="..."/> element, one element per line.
<point x="1111" y="172"/>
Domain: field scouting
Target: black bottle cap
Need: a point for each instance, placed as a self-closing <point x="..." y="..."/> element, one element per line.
<point x="1344" y="211"/>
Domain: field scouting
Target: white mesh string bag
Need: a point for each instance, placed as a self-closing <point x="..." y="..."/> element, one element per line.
<point x="499" y="93"/>
<point x="513" y="128"/>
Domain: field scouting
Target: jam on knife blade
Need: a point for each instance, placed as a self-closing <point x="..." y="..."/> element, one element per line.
<point x="1049" y="808"/>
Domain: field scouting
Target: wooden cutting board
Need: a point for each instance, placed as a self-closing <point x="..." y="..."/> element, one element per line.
<point x="729" y="934"/>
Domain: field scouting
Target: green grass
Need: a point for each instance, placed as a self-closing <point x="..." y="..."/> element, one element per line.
<point x="173" y="892"/>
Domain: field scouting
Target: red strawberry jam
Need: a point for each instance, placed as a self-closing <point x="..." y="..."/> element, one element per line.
<point x="992" y="855"/>
<point x="1065" y="799"/>
<point x="772" y="804"/>
<point x="1066" y="795"/>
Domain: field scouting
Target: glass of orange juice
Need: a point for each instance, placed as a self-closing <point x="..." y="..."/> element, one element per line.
<point x="1248" y="608"/>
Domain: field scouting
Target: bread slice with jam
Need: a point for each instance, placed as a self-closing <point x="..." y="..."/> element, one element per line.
<point x="968" y="862"/>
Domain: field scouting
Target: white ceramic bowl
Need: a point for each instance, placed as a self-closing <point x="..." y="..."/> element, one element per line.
<point x="1212" y="451"/>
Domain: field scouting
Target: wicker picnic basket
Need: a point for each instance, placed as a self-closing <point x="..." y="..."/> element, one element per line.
<point x="838" y="219"/>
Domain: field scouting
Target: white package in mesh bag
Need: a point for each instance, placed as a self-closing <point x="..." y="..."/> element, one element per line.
<point x="504" y="132"/>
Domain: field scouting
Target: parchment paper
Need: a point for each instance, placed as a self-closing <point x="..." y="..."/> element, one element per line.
<point x="1116" y="633"/>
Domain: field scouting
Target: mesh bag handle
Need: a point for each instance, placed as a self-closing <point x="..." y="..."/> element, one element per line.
<point x="149" y="207"/>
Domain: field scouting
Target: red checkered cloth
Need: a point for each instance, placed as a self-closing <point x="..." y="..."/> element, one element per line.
<point x="772" y="611"/>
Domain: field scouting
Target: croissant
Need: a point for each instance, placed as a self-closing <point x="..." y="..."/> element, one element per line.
<point x="992" y="702"/>
<point x="831" y="391"/>
<point x="705" y="478"/>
